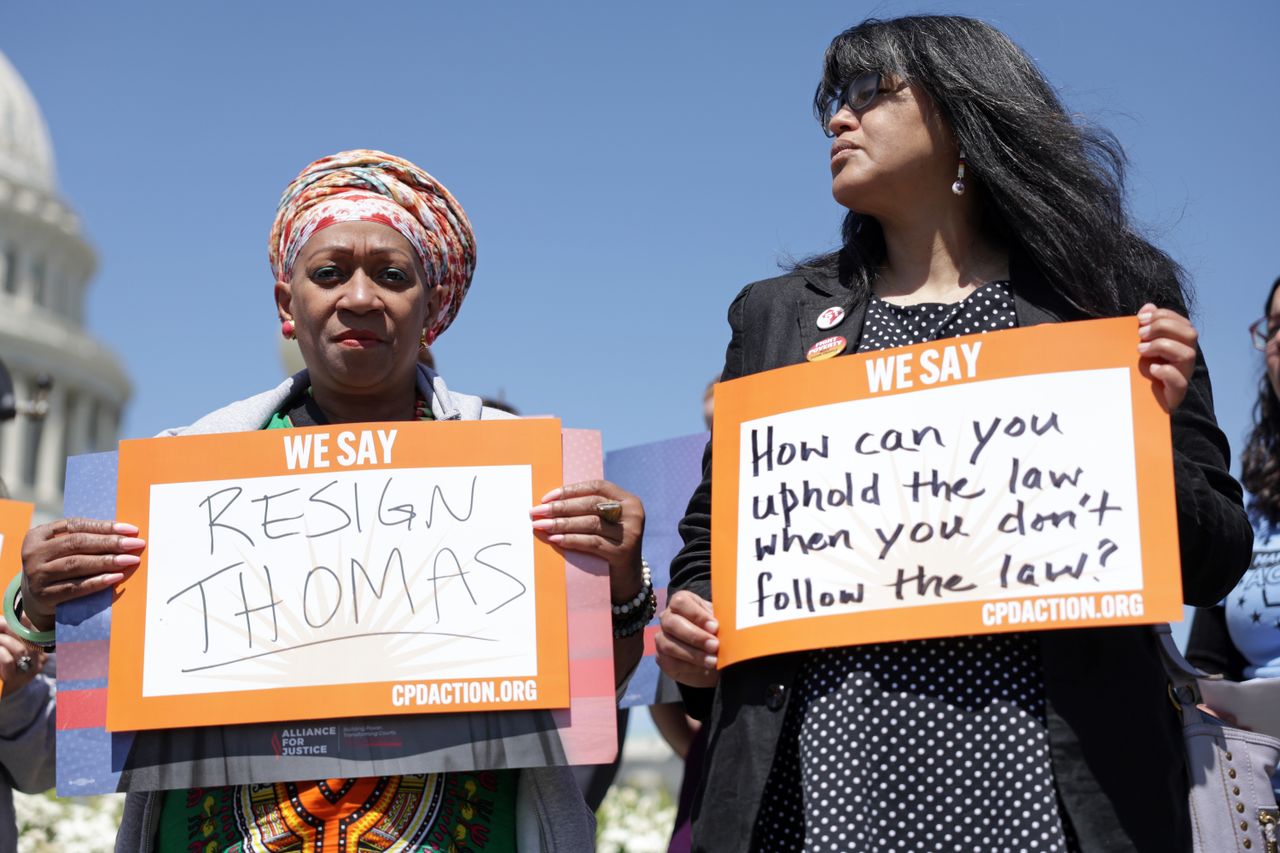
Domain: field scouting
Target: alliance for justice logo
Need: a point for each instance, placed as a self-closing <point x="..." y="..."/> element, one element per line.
<point x="305" y="740"/>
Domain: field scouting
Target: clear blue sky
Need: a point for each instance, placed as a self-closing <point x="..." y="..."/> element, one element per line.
<point x="628" y="167"/>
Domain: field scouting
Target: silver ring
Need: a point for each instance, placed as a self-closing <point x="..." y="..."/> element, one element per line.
<point x="24" y="663"/>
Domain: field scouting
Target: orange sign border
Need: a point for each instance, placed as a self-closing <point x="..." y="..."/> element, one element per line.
<point x="441" y="444"/>
<point x="15" y="521"/>
<point x="1044" y="349"/>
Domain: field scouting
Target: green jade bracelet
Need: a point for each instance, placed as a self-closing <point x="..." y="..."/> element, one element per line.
<point x="13" y="616"/>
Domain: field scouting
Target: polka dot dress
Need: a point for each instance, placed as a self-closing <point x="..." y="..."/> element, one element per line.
<point x="925" y="745"/>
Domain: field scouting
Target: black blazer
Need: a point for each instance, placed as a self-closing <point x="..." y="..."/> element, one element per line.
<point x="1115" y="738"/>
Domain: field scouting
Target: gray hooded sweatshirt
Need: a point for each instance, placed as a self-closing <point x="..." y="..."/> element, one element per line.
<point x="26" y="746"/>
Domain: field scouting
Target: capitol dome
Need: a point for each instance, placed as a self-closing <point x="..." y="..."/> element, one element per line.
<point x="26" y="155"/>
<point x="45" y="267"/>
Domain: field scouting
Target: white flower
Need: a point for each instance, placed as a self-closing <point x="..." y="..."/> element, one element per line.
<point x="635" y="819"/>
<point x="49" y="824"/>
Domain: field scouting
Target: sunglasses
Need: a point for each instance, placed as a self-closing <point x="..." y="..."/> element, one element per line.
<point x="858" y="94"/>
<point x="1263" y="330"/>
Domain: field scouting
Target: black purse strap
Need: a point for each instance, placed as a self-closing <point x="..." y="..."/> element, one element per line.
<point x="1184" y="676"/>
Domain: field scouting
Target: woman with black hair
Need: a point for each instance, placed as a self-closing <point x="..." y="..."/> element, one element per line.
<point x="1240" y="636"/>
<point x="975" y="204"/>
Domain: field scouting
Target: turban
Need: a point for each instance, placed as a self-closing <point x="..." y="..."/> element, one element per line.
<point x="370" y="186"/>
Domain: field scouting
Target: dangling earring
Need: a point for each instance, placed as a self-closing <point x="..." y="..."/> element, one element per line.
<point x="422" y="341"/>
<point x="958" y="186"/>
<point x="286" y="329"/>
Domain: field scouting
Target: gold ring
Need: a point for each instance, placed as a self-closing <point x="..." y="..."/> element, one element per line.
<point x="610" y="511"/>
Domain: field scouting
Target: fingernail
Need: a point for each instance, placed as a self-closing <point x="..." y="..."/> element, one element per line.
<point x="1144" y="317"/>
<point x="124" y="529"/>
<point x="711" y="645"/>
<point x="555" y="538"/>
<point x="544" y="523"/>
<point x="124" y="561"/>
<point x="1143" y="347"/>
<point x="713" y="625"/>
<point x="113" y="578"/>
<point x="553" y="495"/>
<point x="710" y="661"/>
<point x="132" y="543"/>
<point x="1144" y="331"/>
<point x="540" y="509"/>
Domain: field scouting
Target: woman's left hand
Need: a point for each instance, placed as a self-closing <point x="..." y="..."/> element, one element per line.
<point x="1168" y="351"/>
<point x="18" y="662"/>
<point x="570" y="518"/>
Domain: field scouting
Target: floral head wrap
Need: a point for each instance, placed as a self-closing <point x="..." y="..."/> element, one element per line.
<point x="370" y="186"/>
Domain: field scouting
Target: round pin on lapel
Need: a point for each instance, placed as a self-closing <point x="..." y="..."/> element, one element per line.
<point x="830" y="318"/>
<point x="826" y="348"/>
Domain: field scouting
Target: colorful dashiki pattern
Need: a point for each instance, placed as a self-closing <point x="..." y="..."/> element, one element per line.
<point x="426" y="813"/>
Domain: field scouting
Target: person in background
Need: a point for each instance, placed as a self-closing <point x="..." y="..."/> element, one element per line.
<point x="709" y="403"/>
<point x="26" y="726"/>
<point x="372" y="258"/>
<point x="1240" y="636"/>
<point x="500" y="405"/>
<point x="970" y="193"/>
<point x="686" y="735"/>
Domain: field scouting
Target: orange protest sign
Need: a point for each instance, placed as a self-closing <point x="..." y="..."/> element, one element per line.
<point x="351" y="570"/>
<point x="15" y="521"/>
<point x="1011" y="481"/>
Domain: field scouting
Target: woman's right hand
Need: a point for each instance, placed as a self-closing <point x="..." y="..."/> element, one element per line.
<point x="687" y="644"/>
<point x="70" y="558"/>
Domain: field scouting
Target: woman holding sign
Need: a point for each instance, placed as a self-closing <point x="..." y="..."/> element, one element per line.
<point x="372" y="258"/>
<point x="975" y="204"/>
<point x="1240" y="636"/>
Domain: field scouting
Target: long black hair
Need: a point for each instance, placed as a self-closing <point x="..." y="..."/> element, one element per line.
<point x="1260" y="461"/>
<point x="1049" y="189"/>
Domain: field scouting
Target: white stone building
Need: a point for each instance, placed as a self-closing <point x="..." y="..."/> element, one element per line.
<point x="45" y="266"/>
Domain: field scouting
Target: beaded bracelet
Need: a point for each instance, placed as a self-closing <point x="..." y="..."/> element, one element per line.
<point x="43" y="640"/>
<point x="646" y="587"/>
<point x="629" y="619"/>
<point x="639" y="621"/>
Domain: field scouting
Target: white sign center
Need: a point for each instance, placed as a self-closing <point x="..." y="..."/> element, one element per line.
<point x="340" y="577"/>
<point x="1007" y="488"/>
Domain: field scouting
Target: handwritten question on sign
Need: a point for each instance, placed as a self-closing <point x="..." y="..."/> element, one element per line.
<point x="344" y="559"/>
<point x="941" y="482"/>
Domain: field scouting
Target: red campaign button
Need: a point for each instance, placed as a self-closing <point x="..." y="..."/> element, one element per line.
<point x="826" y="348"/>
<point x="830" y="318"/>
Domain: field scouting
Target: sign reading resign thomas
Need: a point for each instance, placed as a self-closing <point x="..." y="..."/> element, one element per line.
<point x="395" y="561"/>
<point x="944" y="489"/>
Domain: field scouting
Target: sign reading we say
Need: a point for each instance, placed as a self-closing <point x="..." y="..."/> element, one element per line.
<point x="393" y="561"/>
<point x="1012" y="481"/>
